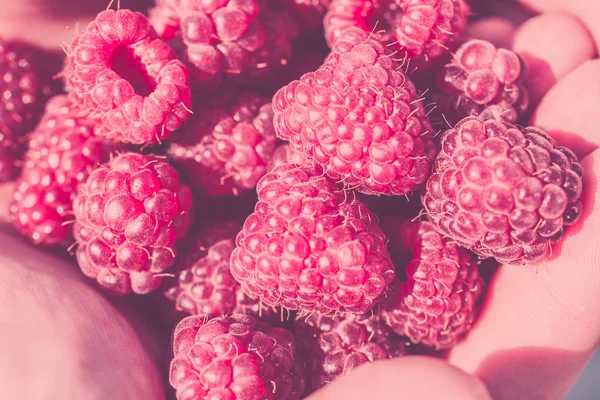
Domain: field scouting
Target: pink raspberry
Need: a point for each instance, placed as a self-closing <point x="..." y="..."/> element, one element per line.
<point x="503" y="191"/>
<point x="235" y="357"/>
<point x="423" y="30"/>
<point x="204" y="284"/>
<point x="310" y="246"/>
<point x="129" y="214"/>
<point x="333" y="347"/>
<point x="438" y="302"/>
<point x="62" y="151"/>
<point x="245" y="39"/>
<point x="358" y="118"/>
<point x="485" y="81"/>
<point x="22" y="95"/>
<point x="225" y="150"/>
<point x="284" y="154"/>
<point x="128" y="78"/>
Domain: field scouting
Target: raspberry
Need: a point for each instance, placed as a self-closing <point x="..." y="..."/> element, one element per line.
<point x="358" y="118"/>
<point x="437" y="304"/>
<point x="310" y="246"/>
<point x="284" y="154"/>
<point x="503" y="191"/>
<point x="205" y="285"/>
<point x="423" y="30"/>
<point x="234" y="357"/>
<point x="128" y="78"/>
<point x="484" y="81"/>
<point x="225" y="150"/>
<point x="335" y="346"/>
<point x="129" y="214"/>
<point x="62" y="150"/>
<point x="244" y="39"/>
<point x="22" y="94"/>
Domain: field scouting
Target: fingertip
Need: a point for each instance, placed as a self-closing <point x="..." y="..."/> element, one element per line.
<point x="496" y="30"/>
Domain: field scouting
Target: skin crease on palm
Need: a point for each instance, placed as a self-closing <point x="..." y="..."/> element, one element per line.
<point x="538" y="328"/>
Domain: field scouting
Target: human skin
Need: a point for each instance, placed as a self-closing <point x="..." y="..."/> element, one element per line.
<point x="539" y="325"/>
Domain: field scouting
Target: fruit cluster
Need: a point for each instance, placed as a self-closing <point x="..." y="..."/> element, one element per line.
<point x="169" y="129"/>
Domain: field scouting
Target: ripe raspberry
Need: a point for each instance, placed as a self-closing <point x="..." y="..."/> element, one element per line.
<point x="129" y="214"/>
<point x="62" y="151"/>
<point x="503" y="191"/>
<point x="234" y="357"/>
<point x="128" y="78"/>
<point x="423" y="30"/>
<point x="284" y="154"/>
<point x="309" y="246"/>
<point x="334" y="347"/>
<point x="225" y="150"/>
<point x="205" y="285"/>
<point x="485" y="81"/>
<point x="437" y="304"/>
<point x="22" y="95"/>
<point x="358" y="118"/>
<point x="244" y="39"/>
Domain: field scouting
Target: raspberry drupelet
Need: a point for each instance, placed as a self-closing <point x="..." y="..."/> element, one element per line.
<point x="204" y="283"/>
<point x="128" y="79"/>
<point x="225" y="150"/>
<point x="438" y="303"/>
<point x="358" y="118"/>
<point x="246" y="40"/>
<point x="62" y="151"/>
<point x="129" y="214"/>
<point x="422" y="30"/>
<point x="309" y="246"/>
<point x="485" y="81"/>
<point x="333" y="347"/>
<point x="503" y="191"/>
<point x="235" y="357"/>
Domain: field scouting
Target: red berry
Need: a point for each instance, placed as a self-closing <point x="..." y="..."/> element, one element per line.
<point x="244" y="39"/>
<point x="423" y="30"/>
<point x="333" y="347"/>
<point x="235" y="357"/>
<point x="358" y="118"/>
<point x="225" y="150"/>
<point x="484" y="81"/>
<point x="62" y="151"/>
<point x="128" y="78"/>
<point x="311" y="247"/>
<point x="503" y="191"/>
<point x="437" y="304"/>
<point x="129" y="214"/>
<point x="284" y="154"/>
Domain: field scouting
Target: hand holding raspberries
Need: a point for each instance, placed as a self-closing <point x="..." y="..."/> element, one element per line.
<point x="339" y="241"/>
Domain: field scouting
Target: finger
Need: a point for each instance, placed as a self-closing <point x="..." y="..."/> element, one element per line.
<point x="540" y="324"/>
<point x="551" y="53"/>
<point x="60" y="339"/>
<point x="410" y="377"/>
<point x="569" y="111"/>
<point x="496" y="30"/>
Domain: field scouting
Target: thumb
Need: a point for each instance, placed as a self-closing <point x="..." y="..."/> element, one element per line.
<point x="411" y="377"/>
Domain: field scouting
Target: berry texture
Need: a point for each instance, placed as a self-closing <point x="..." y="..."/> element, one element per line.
<point x="205" y="285"/>
<point x="311" y="247"/>
<point x="129" y="214"/>
<point x="284" y="154"/>
<point x="423" y="31"/>
<point x="358" y="118"/>
<point x="503" y="191"/>
<point x="235" y="357"/>
<point x="22" y="94"/>
<point x="62" y="151"/>
<point x="333" y="347"/>
<point x="126" y="77"/>
<point x="225" y="150"/>
<point x="438" y="302"/>
<point x="246" y="40"/>
<point x="485" y="81"/>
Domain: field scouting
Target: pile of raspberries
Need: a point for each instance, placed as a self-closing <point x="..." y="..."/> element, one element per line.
<point x="170" y="167"/>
